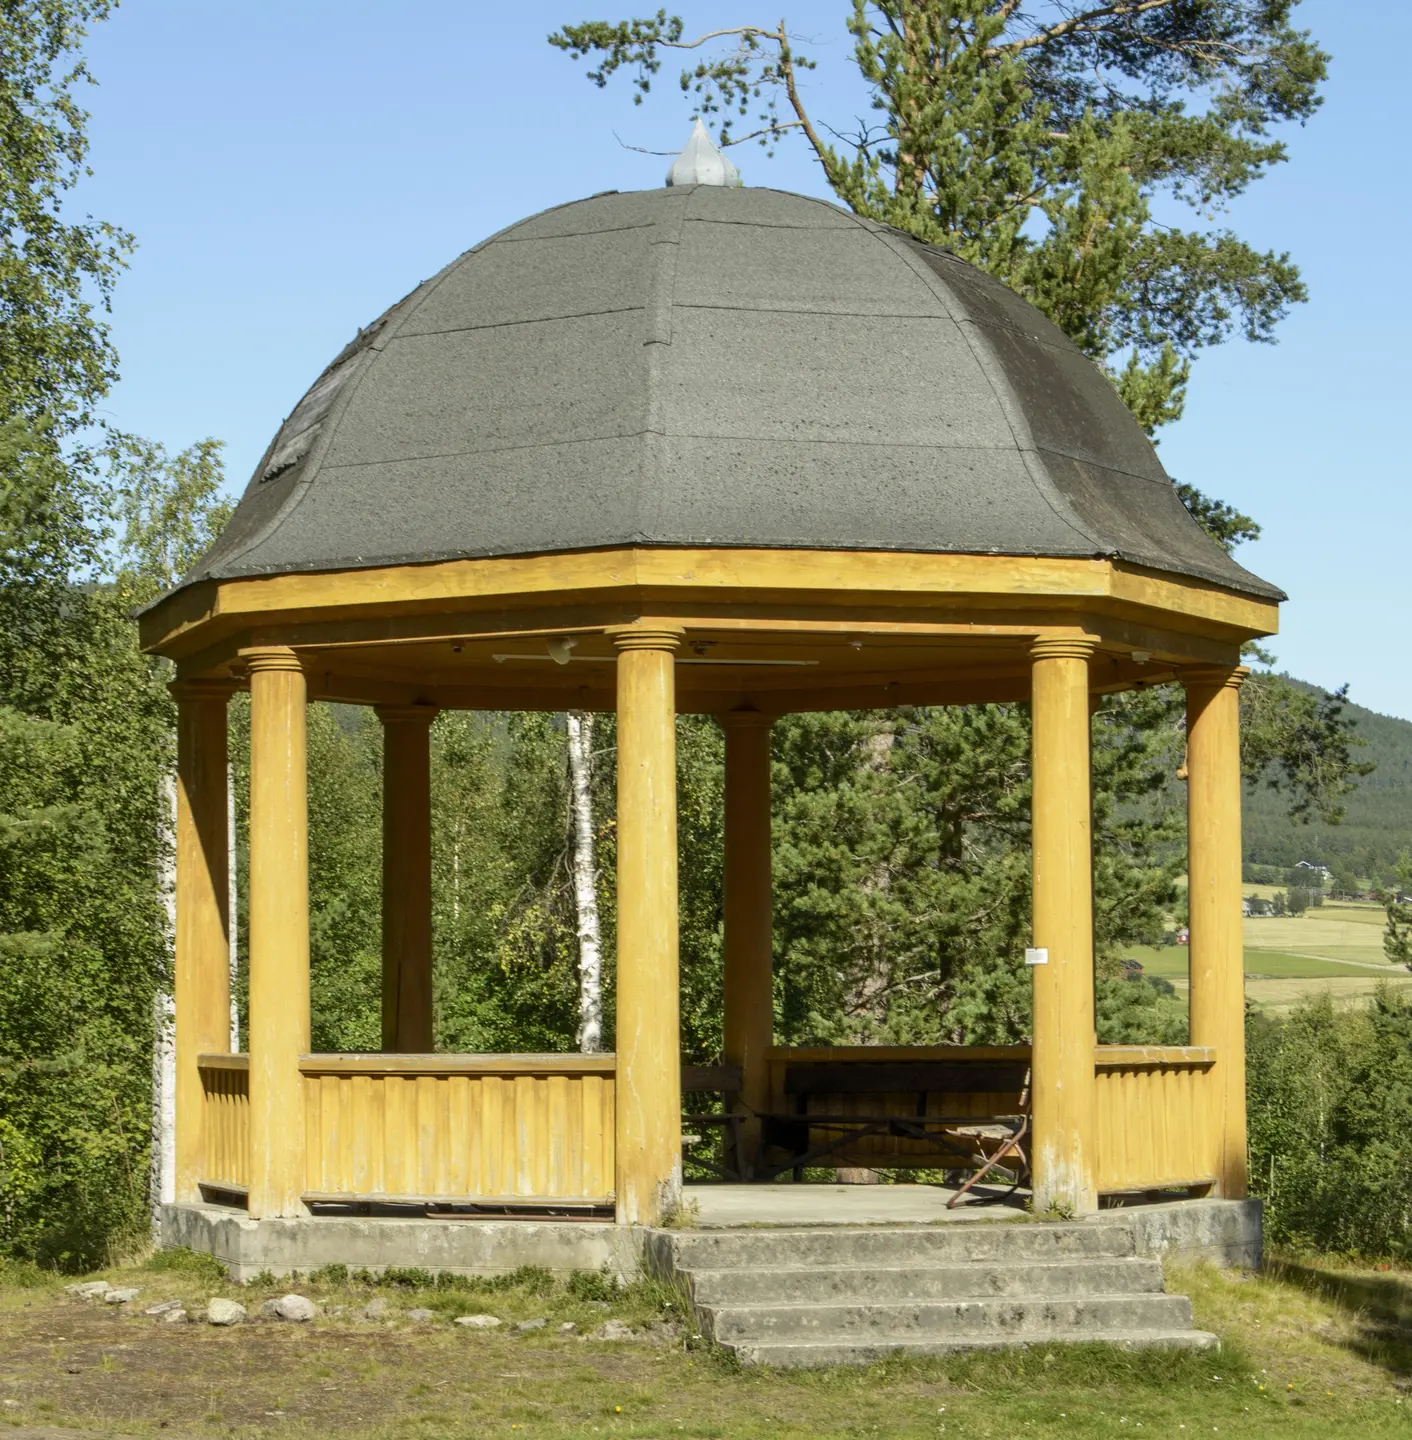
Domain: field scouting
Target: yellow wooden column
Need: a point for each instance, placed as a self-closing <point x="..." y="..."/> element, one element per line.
<point x="1216" y="950"/>
<point x="406" y="878"/>
<point x="279" y="930"/>
<point x="648" y="1129"/>
<point x="1062" y="1078"/>
<point x="202" y="969"/>
<point x="749" y="939"/>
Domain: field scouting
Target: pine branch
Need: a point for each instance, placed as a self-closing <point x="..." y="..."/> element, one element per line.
<point x="1077" y="24"/>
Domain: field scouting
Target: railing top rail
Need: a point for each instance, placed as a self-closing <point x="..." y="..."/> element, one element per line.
<point x="882" y="1054"/>
<point x="1130" y="1057"/>
<point x="379" y="1064"/>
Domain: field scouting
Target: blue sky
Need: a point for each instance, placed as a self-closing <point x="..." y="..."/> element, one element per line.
<point x="292" y="167"/>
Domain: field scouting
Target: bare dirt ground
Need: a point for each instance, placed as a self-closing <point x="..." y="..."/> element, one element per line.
<point x="1310" y="1351"/>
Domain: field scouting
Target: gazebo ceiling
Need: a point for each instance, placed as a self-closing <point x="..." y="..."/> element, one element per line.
<point x="715" y="368"/>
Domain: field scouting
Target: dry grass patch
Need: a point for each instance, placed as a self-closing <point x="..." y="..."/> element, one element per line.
<point x="1328" y="1344"/>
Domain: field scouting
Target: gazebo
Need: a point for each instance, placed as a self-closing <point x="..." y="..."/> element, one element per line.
<point x="703" y="449"/>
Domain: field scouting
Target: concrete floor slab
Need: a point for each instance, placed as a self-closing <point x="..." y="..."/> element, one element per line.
<point x="725" y="1206"/>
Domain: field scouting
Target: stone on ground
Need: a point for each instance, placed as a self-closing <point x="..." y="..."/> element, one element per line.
<point x="614" y="1330"/>
<point x="523" y="1326"/>
<point x="121" y="1297"/>
<point x="420" y="1316"/>
<point x="298" y="1308"/>
<point x="162" y="1307"/>
<point x="376" y="1309"/>
<point x="89" y="1289"/>
<point x="479" y="1322"/>
<point x="224" y="1312"/>
<point x="175" y="1317"/>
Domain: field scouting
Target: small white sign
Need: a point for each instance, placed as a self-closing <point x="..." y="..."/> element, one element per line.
<point x="1037" y="957"/>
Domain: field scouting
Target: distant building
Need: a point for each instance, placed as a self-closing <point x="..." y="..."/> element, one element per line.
<point x="1321" y="871"/>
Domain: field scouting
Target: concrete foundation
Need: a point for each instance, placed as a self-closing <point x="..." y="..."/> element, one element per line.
<point x="465" y="1247"/>
<point x="1224" y="1232"/>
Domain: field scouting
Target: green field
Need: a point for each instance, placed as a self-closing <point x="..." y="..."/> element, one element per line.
<point x="1169" y="962"/>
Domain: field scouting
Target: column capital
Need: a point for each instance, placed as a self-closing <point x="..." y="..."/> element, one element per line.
<point x="646" y="637"/>
<point x="746" y="719"/>
<point x="271" y="657"/>
<point x="202" y="689"/>
<point x="1214" y="677"/>
<point x="1063" y="647"/>
<point x="414" y="714"/>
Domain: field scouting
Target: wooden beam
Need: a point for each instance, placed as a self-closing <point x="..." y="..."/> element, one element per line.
<point x="665" y="580"/>
<point x="202" y="958"/>
<point x="279" y="931"/>
<point x="648" y="1131"/>
<point x="1062" y="1087"/>
<point x="1216" y="951"/>
<point x="406" y="878"/>
<point x="748" y="986"/>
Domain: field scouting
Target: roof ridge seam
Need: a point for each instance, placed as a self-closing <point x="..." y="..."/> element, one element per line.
<point x="664" y="250"/>
<point x="510" y="324"/>
<point x="1010" y="408"/>
<point x="312" y="462"/>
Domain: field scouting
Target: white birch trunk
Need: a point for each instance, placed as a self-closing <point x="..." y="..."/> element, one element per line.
<point x="232" y="910"/>
<point x="162" y="1167"/>
<point x="585" y="872"/>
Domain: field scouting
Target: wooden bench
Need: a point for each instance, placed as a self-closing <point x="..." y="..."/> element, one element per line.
<point x="724" y="1080"/>
<point x="811" y="1085"/>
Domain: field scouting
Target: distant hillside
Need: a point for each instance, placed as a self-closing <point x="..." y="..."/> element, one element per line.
<point x="1379" y="820"/>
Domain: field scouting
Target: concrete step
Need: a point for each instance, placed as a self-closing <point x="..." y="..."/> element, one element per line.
<point x="902" y="1245"/>
<point x="1013" y="1319"/>
<point x="814" y="1354"/>
<point x="823" y="1283"/>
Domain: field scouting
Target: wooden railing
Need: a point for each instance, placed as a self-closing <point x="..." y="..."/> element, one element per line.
<point x="501" y="1129"/>
<point x="1155" y="1122"/>
<point x="420" y="1129"/>
<point x="467" y="1128"/>
<point x="225" y="1128"/>
<point x="1156" y="1117"/>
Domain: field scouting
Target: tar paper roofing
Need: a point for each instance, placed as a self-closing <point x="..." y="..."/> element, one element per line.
<point x="710" y="366"/>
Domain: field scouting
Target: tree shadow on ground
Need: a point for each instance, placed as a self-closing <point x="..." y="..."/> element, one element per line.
<point x="1378" y="1305"/>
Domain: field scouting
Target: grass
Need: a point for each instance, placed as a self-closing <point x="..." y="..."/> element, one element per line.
<point x="1170" y="963"/>
<point x="1311" y="1348"/>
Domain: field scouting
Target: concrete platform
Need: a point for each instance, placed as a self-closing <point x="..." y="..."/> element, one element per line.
<point x="1225" y="1232"/>
<point x="730" y="1206"/>
<point x="472" y="1246"/>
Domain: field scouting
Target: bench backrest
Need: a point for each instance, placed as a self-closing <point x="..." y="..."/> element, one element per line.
<point x="979" y="1077"/>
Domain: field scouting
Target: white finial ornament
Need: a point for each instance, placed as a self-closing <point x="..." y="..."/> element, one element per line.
<point x="701" y="163"/>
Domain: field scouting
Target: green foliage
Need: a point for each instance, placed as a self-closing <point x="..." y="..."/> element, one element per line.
<point x="1376" y="822"/>
<point x="56" y="361"/>
<point x="1300" y="743"/>
<point x="85" y="722"/>
<point x="1041" y="146"/>
<point x="1330" y="1092"/>
<point x="1397" y="939"/>
<point x="593" y="1285"/>
<point x="178" y="1260"/>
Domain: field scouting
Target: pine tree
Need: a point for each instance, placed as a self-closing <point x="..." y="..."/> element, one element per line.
<point x="1050" y="143"/>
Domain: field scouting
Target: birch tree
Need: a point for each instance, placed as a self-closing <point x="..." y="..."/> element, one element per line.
<point x="585" y="873"/>
<point x="161" y="1177"/>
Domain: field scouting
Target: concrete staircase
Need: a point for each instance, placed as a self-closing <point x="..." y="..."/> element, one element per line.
<point x="843" y="1295"/>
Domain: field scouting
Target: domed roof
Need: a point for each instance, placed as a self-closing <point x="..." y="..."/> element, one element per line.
<point x="710" y="366"/>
